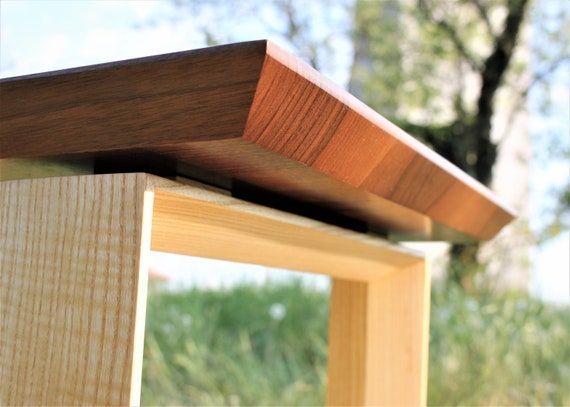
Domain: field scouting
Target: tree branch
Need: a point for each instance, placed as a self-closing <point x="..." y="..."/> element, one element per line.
<point x="484" y="15"/>
<point x="493" y="73"/>
<point x="452" y="34"/>
<point x="544" y="74"/>
<point x="498" y="61"/>
<point x="523" y="93"/>
<point x="295" y="32"/>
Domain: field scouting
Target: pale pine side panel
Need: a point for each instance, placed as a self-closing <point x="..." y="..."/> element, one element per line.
<point x="73" y="289"/>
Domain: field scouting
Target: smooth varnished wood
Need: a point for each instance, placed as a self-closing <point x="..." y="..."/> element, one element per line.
<point x="249" y="112"/>
<point x="73" y="279"/>
<point x="175" y="98"/>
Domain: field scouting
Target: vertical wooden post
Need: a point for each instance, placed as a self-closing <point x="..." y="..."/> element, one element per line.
<point x="73" y="284"/>
<point x="378" y="339"/>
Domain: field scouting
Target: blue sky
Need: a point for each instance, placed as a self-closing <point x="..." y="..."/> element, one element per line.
<point x="37" y="36"/>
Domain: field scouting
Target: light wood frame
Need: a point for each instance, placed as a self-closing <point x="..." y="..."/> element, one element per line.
<point x="73" y="275"/>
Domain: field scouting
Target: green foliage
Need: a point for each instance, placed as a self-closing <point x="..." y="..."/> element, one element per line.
<point x="237" y="347"/>
<point x="377" y="76"/>
<point x="501" y="349"/>
<point x="411" y="58"/>
<point x="246" y="346"/>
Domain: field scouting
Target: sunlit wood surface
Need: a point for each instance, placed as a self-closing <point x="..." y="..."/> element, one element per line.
<point x="73" y="275"/>
<point x="247" y="112"/>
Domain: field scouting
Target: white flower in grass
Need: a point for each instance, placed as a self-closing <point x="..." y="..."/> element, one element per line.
<point x="277" y="311"/>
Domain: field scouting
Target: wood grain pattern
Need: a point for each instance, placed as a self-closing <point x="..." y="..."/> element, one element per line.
<point x="73" y="275"/>
<point x="173" y="98"/>
<point x="254" y="113"/>
<point x="378" y="340"/>
<point x="188" y="221"/>
<point x="299" y="114"/>
<point x="73" y="281"/>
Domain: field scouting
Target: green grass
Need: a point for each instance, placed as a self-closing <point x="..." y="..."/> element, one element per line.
<point x="225" y="348"/>
<point x="498" y="350"/>
<point x="237" y="347"/>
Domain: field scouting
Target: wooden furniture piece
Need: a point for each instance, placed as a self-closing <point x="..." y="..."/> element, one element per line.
<point x="295" y="173"/>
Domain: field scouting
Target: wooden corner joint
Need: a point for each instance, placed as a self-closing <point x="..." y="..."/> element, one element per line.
<point x="73" y="273"/>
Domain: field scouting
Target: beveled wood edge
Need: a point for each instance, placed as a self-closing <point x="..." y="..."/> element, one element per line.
<point x="312" y="75"/>
<point x="307" y="73"/>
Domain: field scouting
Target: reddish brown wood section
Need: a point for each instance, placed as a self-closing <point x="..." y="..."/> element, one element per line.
<point x="254" y="113"/>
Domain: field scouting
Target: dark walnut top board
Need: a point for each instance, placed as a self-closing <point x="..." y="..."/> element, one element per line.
<point x="249" y="114"/>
